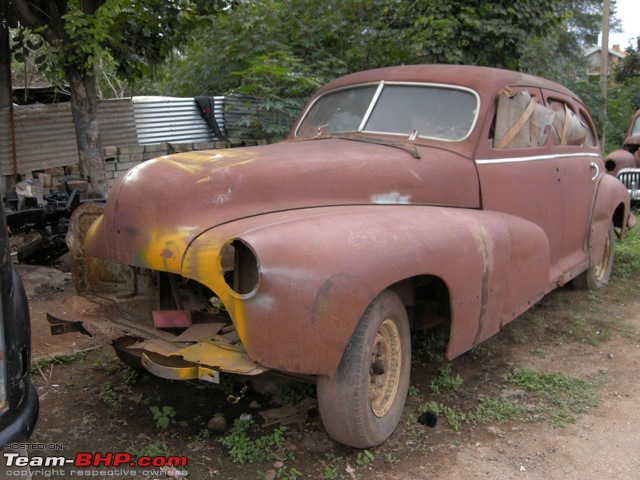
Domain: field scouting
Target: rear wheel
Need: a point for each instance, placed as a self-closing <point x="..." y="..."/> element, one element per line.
<point x="363" y="402"/>
<point x="598" y="275"/>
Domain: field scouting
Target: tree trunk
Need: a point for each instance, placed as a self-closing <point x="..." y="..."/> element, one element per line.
<point x="6" y="95"/>
<point x="85" y="118"/>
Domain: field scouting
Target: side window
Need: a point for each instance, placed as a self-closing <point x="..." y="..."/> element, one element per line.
<point x="520" y="121"/>
<point x="569" y="128"/>
<point x="592" y="139"/>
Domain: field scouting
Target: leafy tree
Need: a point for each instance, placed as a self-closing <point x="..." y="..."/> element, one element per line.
<point x="332" y="37"/>
<point x="630" y="66"/>
<point x="84" y="33"/>
<point x="279" y="84"/>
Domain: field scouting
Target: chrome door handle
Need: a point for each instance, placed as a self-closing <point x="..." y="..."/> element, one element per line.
<point x="595" y="165"/>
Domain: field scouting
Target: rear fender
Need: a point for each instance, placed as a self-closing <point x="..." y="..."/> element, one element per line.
<point x="320" y="269"/>
<point x="611" y="204"/>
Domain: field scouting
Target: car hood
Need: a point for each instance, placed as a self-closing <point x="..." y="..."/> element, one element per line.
<point x="159" y="207"/>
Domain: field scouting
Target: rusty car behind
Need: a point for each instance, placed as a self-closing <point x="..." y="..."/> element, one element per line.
<point x="403" y="198"/>
<point x="625" y="162"/>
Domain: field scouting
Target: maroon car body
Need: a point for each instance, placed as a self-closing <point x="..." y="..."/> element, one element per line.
<point x="625" y="163"/>
<point x="443" y="194"/>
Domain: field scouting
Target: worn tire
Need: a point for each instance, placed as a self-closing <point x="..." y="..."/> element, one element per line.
<point x="597" y="276"/>
<point x="362" y="403"/>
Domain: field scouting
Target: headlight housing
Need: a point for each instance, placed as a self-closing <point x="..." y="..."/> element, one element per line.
<point x="240" y="267"/>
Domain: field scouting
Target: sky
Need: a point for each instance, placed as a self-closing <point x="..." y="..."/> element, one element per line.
<point x="629" y="14"/>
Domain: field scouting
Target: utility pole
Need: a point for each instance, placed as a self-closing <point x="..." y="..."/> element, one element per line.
<point x="604" y="67"/>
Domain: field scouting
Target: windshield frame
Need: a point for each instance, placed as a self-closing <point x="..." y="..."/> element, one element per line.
<point x="374" y="100"/>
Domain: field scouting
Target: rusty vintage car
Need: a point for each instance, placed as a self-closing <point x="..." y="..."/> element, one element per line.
<point x="403" y="198"/>
<point x="625" y="162"/>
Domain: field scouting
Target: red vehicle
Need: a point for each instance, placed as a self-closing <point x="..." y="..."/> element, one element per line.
<point x="402" y="199"/>
<point x="625" y="163"/>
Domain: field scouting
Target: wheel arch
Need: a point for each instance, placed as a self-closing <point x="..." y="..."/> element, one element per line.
<point x="321" y="268"/>
<point x="611" y="204"/>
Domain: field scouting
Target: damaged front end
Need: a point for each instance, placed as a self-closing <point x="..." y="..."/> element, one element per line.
<point x="172" y="326"/>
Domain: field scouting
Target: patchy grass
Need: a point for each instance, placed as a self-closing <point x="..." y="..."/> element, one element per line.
<point x="244" y="448"/>
<point x="558" y="398"/>
<point x="538" y="396"/>
<point x="40" y="364"/>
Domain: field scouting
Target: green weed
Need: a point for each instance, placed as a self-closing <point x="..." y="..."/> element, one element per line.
<point x="364" y="457"/>
<point x="162" y="416"/>
<point x="558" y="398"/>
<point x="428" y="346"/>
<point x="444" y="380"/>
<point x="331" y="472"/>
<point x="291" y="393"/>
<point x="38" y="365"/>
<point x="413" y="391"/>
<point x="151" y="449"/>
<point x="288" y="473"/>
<point x="109" y="397"/>
<point x="244" y="449"/>
<point x="130" y="376"/>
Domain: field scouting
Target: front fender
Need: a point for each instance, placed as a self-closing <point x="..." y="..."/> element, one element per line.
<point x="320" y="269"/>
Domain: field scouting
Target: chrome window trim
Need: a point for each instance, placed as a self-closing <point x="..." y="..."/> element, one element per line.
<point x="381" y="85"/>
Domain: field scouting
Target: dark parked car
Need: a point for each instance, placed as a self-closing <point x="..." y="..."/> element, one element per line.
<point x="18" y="397"/>
<point x="404" y="198"/>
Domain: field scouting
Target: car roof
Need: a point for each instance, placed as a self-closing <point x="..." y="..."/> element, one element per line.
<point x="484" y="80"/>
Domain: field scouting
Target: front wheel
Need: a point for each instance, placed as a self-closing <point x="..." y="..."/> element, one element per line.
<point x="597" y="275"/>
<point x="362" y="403"/>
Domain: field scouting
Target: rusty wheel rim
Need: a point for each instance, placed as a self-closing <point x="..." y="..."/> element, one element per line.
<point x="603" y="266"/>
<point x="385" y="367"/>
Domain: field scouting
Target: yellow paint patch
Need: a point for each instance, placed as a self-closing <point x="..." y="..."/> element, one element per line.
<point x="165" y="251"/>
<point x="202" y="263"/>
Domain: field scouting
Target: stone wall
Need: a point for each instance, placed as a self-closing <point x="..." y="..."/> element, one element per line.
<point x="119" y="160"/>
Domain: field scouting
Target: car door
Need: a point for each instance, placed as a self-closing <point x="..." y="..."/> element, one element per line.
<point x="519" y="173"/>
<point x="580" y="164"/>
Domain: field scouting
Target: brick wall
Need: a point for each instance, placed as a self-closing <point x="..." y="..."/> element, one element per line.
<point x="119" y="160"/>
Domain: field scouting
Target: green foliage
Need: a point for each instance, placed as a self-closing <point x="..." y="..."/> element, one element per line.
<point x="623" y="99"/>
<point x="559" y="398"/>
<point x="413" y="391"/>
<point x="280" y="84"/>
<point x="627" y="259"/>
<point x="244" y="449"/>
<point x="41" y="363"/>
<point x="162" y="416"/>
<point x="454" y="418"/>
<point x="428" y="346"/>
<point x="291" y="393"/>
<point x="364" y="457"/>
<point x="630" y="67"/>
<point x="444" y="380"/>
<point x="150" y="449"/>
<point x="130" y="376"/>
<point x="109" y="397"/>
<point x="495" y="410"/>
<point x="552" y="397"/>
<point x="288" y="473"/>
<point x="331" y="472"/>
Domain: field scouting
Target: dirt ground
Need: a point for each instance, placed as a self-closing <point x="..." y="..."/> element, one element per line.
<point x="94" y="404"/>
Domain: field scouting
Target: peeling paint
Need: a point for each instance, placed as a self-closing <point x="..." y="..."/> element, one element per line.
<point x="390" y="198"/>
<point x="222" y="197"/>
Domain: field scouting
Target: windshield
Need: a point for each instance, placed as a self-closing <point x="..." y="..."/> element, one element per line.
<point x="407" y="110"/>
<point x="636" y="127"/>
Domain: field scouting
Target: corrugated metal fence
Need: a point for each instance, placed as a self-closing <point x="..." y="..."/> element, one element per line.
<point x="45" y="134"/>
